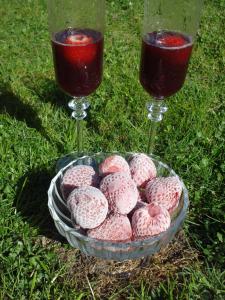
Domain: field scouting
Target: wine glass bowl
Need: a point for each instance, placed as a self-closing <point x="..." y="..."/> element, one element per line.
<point x="164" y="62"/>
<point x="111" y="250"/>
<point x="169" y="31"/>
<point x="78" y="60"/>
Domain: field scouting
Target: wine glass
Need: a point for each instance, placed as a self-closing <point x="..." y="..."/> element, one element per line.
<point x="168" y="35"/>
<point x="77" y="37"/>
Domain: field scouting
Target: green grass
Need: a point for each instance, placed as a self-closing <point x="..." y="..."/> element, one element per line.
<point x="35" y="129"/>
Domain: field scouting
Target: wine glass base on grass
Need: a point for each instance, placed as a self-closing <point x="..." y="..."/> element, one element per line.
<point x="112" y="250"/>
<point x="62" y="162"/>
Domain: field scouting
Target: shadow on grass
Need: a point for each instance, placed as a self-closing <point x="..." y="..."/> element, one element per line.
<point x="12" y="105"/>
<point x="31" y="202"/>
<point x="47" y="91"/>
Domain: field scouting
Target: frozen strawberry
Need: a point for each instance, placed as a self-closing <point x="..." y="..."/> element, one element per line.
<point x="150" y="220"/>
<point x="164" y="191"/>
<point x="81" y="49"/>
<point x="142" y="169"/>
<point x="88" y="207"/>
<point x="78" y="176"/>
<point x="121" y="192"/>
<point x="115" y="228"/>
<point x="113" y="164"/>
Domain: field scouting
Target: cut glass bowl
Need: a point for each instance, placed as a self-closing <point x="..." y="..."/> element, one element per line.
<point x="111" y="250"/>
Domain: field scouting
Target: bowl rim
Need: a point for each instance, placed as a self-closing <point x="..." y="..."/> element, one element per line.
<point x="119" y="245"/>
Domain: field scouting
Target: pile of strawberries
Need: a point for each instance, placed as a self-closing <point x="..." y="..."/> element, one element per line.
<point x="123" y="201"/>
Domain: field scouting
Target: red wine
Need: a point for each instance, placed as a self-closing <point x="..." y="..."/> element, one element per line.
<point x="164" y="62"/>
<point x="78" y="60"/>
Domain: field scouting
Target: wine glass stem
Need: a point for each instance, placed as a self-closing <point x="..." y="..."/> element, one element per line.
<point x="79" y="106"/>
<point x="156" y="109"/>
<point x="79" y="136"/>
<point x="151" y="137"/>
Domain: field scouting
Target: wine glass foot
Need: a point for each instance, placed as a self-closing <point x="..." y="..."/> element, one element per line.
<point x="65" y="160"/>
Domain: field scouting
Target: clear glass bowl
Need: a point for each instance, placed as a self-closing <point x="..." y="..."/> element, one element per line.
<point x="111" y="250"/>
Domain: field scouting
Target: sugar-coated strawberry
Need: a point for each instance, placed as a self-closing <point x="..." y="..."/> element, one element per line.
<point x="150" y="220"/>
<point x="121" y="192"/>
<point x="80" y="50"/>
<point x="88" y="206"/>
<point x="113" y="164"/>
<point x="78" y="176"/>
<point x="164" y="191"/>
<point x="116" y="228"/>
<point x="142" y="169"/>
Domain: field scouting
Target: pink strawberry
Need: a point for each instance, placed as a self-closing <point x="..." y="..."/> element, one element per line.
<point x="113" y="164"/>
<point x="88" y="206"/>
<point x="142" y="169"/>
<point x="164" y="191"/>
<point x="121" y="192"/>
<point x="78" y="39"/>
<point x="172" y="41"/>
<point x="80" y="50"/>
<point x="116" y="228"/>
<point x="150" y="220"/>
<point x="76" y="177"/>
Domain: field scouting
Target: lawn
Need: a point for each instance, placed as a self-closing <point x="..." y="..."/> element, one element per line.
<point x="36" y="129"/>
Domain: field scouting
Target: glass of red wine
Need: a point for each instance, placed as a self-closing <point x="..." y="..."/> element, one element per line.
<point x="77" y="37"/>
<point x="169" y="31"/>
